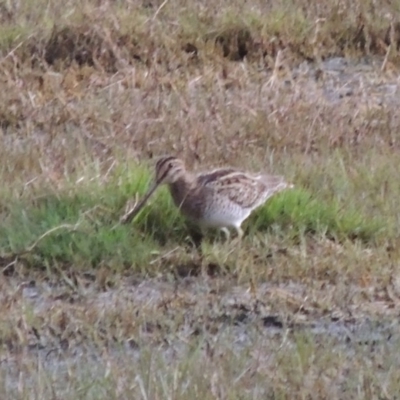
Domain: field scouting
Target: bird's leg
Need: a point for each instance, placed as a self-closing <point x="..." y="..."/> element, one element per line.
<point x="196" y="234"/>
<point x="240" y="232"/>
<point x="236" y="242"/>
<point x="227" y="233"/>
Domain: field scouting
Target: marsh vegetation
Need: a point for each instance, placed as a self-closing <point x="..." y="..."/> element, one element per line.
<point x="92" y="93"/>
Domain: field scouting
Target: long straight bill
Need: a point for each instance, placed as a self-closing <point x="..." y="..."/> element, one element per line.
<point x="132" y="214"/>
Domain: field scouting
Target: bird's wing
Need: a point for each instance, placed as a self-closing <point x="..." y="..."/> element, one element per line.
<point x="246" y="190"/>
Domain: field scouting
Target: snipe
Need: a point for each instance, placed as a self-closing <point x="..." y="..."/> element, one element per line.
<point x="221" y="198"/>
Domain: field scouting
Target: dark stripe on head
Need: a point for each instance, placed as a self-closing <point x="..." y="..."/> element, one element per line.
<point x="160" y="164"/>
<point x="164" y="160"/>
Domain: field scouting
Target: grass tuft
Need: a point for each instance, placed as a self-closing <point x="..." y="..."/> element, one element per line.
<point x="97" y="237"/>
<point x="305" y="89"/>
<point x="298" y="211"/>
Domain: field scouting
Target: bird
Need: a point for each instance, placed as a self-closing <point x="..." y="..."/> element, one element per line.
<point x="222" y="198"/>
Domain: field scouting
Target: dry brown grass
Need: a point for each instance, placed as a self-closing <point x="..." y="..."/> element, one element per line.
<point x="306" y="307"/>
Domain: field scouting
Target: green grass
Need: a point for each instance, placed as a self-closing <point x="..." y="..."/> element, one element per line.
<point x="93" y="90"/>
<point x="299" y="211"/>
<point x="90" y="233"/>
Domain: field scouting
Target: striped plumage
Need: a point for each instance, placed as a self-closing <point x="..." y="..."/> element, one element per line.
<point x="221" y="198"/>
